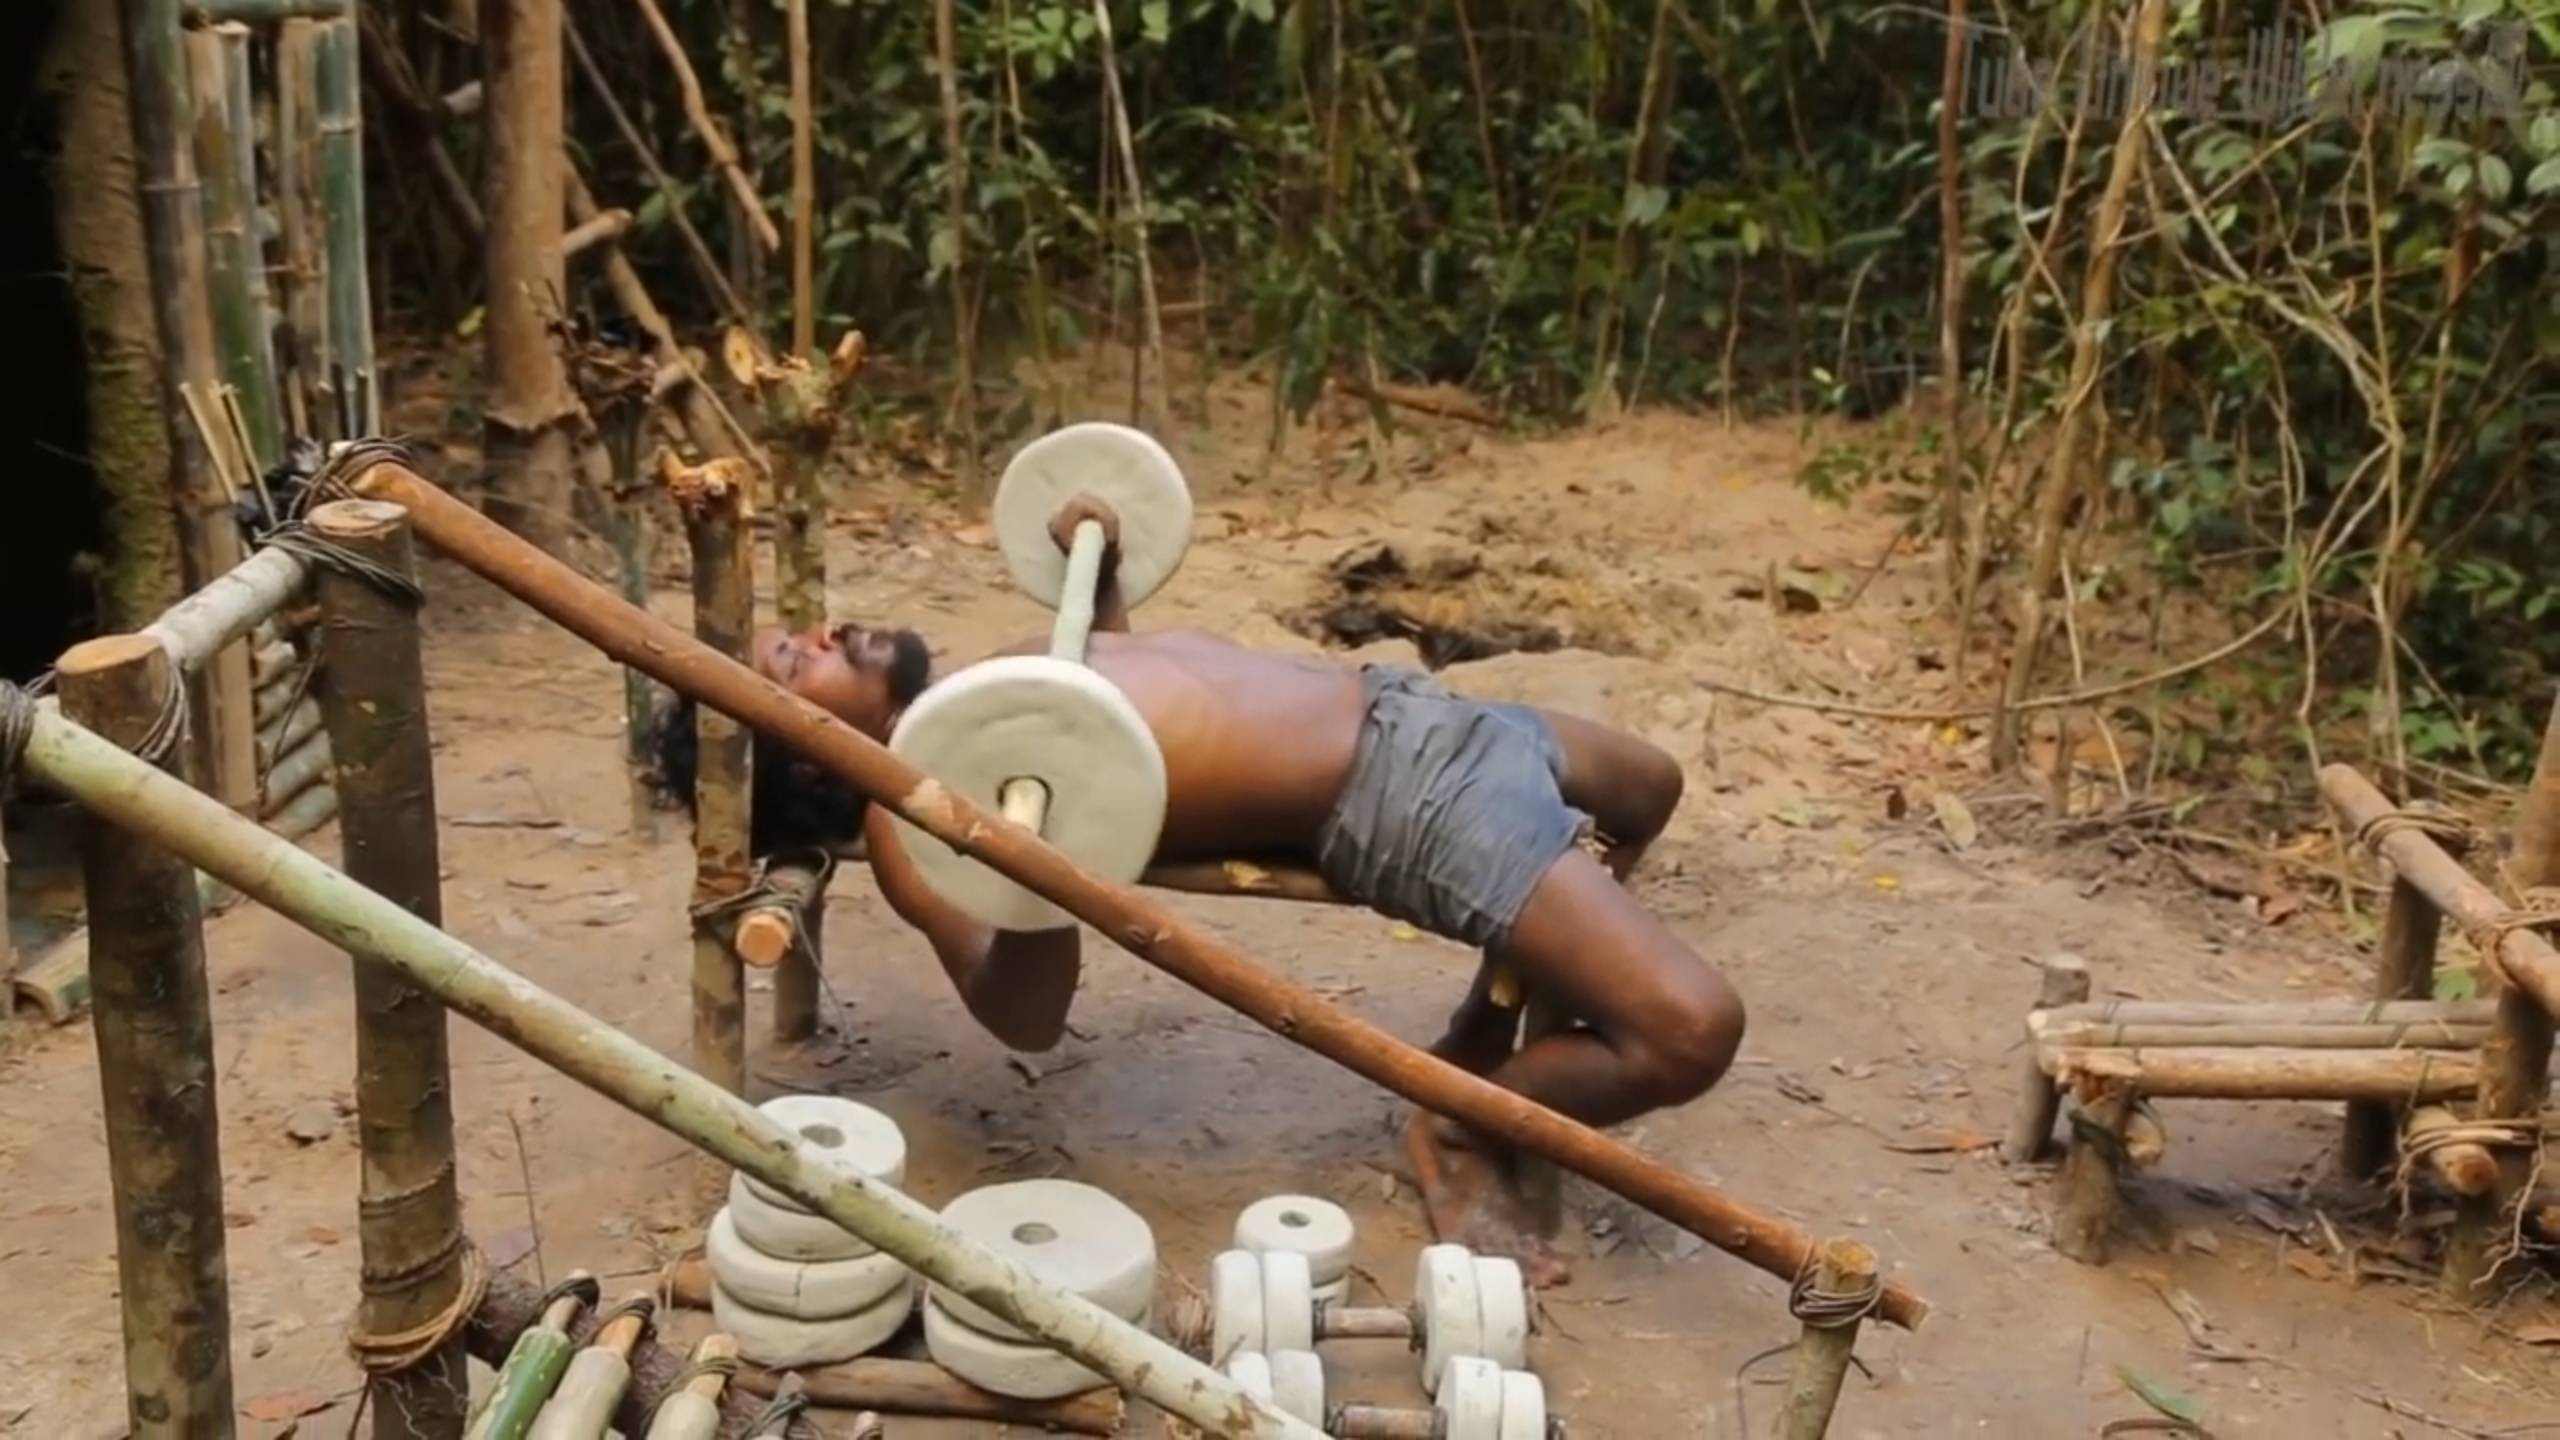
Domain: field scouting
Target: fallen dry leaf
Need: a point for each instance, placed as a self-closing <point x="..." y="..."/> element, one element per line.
<point x="979" y="536"/>
<point x="2539" y="1335"/>
<point x="2310" y="1264"/>
<point x="1956" y="818"/>
<point x="1941" y="1142"/>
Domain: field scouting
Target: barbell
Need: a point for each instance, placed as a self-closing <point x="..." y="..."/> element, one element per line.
<point x="1043" y="739"/>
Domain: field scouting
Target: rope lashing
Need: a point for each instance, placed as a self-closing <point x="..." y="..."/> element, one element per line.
<point x="694" y="1369"/>
<point x="2456" y="834"/>
<point x="1825" y="1309"/>
<point x="2539" y="909"/>
<point x="588" y="1290"/>
<point x="18" y="711"/>
<point x="408" y="1349"/>
<point x="776" y="1417"/>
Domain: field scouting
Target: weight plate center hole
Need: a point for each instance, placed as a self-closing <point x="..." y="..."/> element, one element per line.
<point x="826" y="1135"/>
<point x="1295" y="1219"/>
<point x="1033" y="1233"/>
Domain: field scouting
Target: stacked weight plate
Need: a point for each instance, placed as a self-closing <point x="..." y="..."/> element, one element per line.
<point x="1073" y="1236"/>
<point x="792" y="1287"/>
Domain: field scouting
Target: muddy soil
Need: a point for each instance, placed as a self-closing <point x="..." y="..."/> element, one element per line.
<point x="1885" y="967"/>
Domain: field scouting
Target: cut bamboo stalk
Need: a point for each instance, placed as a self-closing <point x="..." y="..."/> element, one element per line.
<point x="240" y="98"/>
<point x="605" y="226"/>
<point x="2241" y="1074"/>
<point x="298" y="771"/>
<point x="409" y="1219"/>
<point x="713" y="500"/>
<point x="462" y="101"/>
<point x="531" y="1373"/>
<point x="714" y="139"/>
<point x="1822" y="1351"/>
<point x="2465" y="1168"/>
<point x="2404" y="968"/>
<point x="2084" y="1219"/>
<point x="804" y="182"/>
<point x="234" y="263"/>
<point x="1149" y="931"/>
<point x="173" y="228"/>
<point x="716" y="433"/>
<point x="300" y="816"/>
<point x="1377" y="1422"/>
<point x="123" y="791"/>
<point x="351" y="375"/>
<point x="2283" y="1012"/>
<point x="2419" y="1035"/>
<point x="582" y="1408"/>
<point x="693" y="1412"/>
<point x="621" y="421"/>
<point x="2064" y="982"/>
<point x="927" y="1391"/>
<point x="277" y="697"/>
<point x="156" y="1077"/>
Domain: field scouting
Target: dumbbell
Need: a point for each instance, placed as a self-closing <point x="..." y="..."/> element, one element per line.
<point x="1478" y="1400"/>
<point x="1042" y="739"/>
<point x="1464" y="1304"/>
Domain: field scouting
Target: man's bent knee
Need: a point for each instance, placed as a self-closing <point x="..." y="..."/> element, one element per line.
<point x="1688" y="1048"/>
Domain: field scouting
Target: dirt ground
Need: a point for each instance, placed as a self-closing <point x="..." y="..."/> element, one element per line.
<point x="1885" y="967"/>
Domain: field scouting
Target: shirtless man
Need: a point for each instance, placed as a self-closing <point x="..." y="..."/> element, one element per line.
<point x="1458" y="816"/>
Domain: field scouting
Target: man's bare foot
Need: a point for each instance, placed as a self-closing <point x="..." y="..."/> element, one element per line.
<point x="1470" y="1201"/>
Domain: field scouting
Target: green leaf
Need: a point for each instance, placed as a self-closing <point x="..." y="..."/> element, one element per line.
<point x="2167" y="1399"/>
<point x="2544" y="136"/>
<point x="2457" y="984"/>
<point x="2495" y="178"/>
<point x="1155" y="21"/>
<point x="2544" y="179"/>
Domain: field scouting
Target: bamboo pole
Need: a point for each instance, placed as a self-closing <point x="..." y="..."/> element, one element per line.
<point x="530" y="1373"/>
<point x="1146" y="930"/>
<point x="2064" y="981"/>
<point x="621" y="420"/>
<point x="716" y="433"/>
<point x="1823" y="1350"/>
<point x="2420" y="1035"/>
<point x="804" y="183"/>
<point x="713" y="500"/>
<point x="285" y="735"/>
<point x="582" y="1408"/>
<point x="351" y="378"/>
<point x="531" y="474"/>
<point x="241" y="96"/>
<point x="1159" y="405"/>
<point x="2242" y="1074"/>
<point x="173" y="226"/>
<point x="2466" y="1167"/>
<point x="606" y="226"/>
<point x="235" y="265"/>
<point x="691" y="1412"/>
<point x="2523" y="956"/>
<point x="955" y="217"/>
<point x="156" y="1079"/>
<point x="927" y="1391"/>
<point x="125" y="792"/>
<point x="2537" y="854"/>
<point x="200" y="13"/>
<point x="776" y="928"/>
<point x="410" y="1214"/>
<point x="714" y="139"/>
<point x="304" y="273"/>
<point x="295" y="773"/>
<point x="705" y="265"/>
<point x="2404" y="968"/>
<point x="2322" y="1013"/>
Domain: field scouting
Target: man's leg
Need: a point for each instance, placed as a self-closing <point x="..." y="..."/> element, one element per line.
<point x="1628" y="787"/>
<point x="1663" y="1027"/>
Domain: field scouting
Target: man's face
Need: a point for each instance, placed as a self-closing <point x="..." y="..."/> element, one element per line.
<point x="862" y="676"/>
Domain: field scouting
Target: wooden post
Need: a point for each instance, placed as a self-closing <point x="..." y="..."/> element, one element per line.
<point x="173" y="228"/>
<point x="156" y="1078"/>
<point x="2515" y="1066"/>
<point x="1842" y="1268"/>
<point x="236" y="268"/>
<point x="713" y="499"/>
<point x="2084" y="1217"/>
<point x="2404" y="968"/>
<point x="2065" y="981"/>
<point x="374" y="693"/>
<point x="530" y="465"/>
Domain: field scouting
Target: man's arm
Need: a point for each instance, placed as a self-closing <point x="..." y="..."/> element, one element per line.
<point x="1109" y="614"/>
<point x="1017" y="983"/>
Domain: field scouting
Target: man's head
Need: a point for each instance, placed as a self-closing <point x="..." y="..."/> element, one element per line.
<point x="863" y="676"/>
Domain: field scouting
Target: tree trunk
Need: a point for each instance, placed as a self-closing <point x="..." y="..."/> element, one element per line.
<point x="1951" y="299"/>
<point x="955" y="160"/>
<point x="530" y="472"/>
<point x="2080" y="396"/>
<point x="98" y="224"/>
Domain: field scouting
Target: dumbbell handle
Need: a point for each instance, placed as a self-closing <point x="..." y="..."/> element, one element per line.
<point x="1074" y="625"/>
<point x="1365" y="1322"/>
<point x="1026" y="802"/>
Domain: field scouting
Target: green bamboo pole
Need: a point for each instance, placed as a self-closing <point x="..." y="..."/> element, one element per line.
<point x="409" y="1217"/>
<point x="532" y="1371"/>
<point x="240" y="96"/>
<point x="350" y="376"/>
<point x="304" y="272"/>
<point x="154" y="1027"/>
<point x="713" y="499"/>
<point x="123" y="791"/>
<point x="173" y="228"/>
<point x="233" y="263"/>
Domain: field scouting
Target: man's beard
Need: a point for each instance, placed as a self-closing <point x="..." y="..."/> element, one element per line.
<point x="910" y="667"/>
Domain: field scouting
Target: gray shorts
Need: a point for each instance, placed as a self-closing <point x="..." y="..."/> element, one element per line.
<point x="1452" y="812"/>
